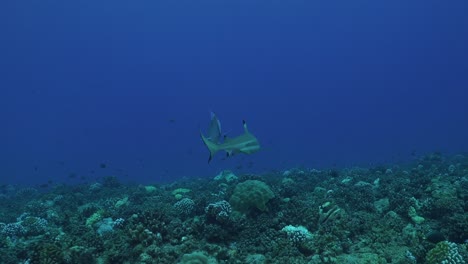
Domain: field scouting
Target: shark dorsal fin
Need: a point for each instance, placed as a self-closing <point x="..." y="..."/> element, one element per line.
<point x="246" y="130"/>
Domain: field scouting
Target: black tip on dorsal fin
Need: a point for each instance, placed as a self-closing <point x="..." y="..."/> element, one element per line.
<point x="243" y="122"/>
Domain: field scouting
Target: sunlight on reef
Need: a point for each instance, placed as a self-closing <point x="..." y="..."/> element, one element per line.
<point x="395" y="213"/>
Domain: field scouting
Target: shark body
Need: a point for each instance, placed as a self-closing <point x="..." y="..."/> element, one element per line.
<point x="246" y="143"/>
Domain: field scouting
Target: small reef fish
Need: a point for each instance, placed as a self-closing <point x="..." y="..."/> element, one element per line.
<point x="246" y="143"/>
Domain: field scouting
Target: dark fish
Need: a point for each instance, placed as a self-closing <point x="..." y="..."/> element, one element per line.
<point x="102" y="165"/>
<point x="435" y="237"/>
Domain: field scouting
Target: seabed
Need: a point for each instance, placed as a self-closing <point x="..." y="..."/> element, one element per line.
<point x="394" y="213"/>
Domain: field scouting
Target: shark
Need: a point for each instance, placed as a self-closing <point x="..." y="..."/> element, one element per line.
<point x="245" y="143"/>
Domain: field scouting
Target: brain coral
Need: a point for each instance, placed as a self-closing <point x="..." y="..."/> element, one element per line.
<point x="251" y="194"/>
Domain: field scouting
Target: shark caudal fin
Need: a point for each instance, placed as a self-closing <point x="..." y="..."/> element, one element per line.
<point x="212" y="146"/>
<point x="246" y="130"/>
<point x="214" y="130"/>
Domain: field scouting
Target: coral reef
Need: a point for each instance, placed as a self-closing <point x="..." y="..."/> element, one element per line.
<point x="396" y="213"/>
<point x="251" y="194"/>
<point x="444" y="252"/>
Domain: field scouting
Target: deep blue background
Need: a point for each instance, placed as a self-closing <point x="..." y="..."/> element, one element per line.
<point x="320" y="83"/>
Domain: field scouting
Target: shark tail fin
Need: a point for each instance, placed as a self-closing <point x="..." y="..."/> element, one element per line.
<point x="214" y="130"/>
<point x="212" y="146"/>
<point x="246" y="130"/>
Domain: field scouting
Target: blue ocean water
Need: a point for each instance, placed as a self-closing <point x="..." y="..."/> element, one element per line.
<point x="96" y="88"/>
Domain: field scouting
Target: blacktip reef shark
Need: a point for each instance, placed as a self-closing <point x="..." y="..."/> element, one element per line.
<point x="246" y="143"/>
